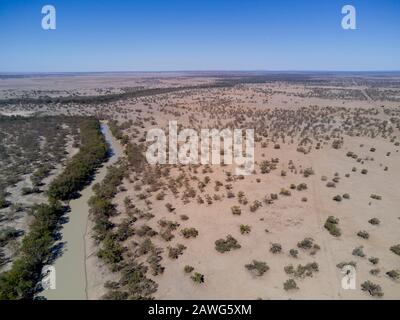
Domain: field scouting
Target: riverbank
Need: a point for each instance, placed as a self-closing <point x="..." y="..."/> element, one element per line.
<point x="71" y="269"/>
<point x="97" y="272"/>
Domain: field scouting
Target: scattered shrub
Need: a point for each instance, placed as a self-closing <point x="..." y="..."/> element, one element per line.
<point x="256" y="204"/>
<point x="372" y="288"/>
<point x="175" y="252"/>
<point x="188" y="269"/>
<point x="275" y="248"/>
<point x="230" y="243"/>
<point x="331" y="225"/>
<point x="302" y="271"/>
<point x="337" y="198"/>
<point x="395" y="249"/>
<point x="358" y="252"/>
<point x="374" y="221"/>
<point x="375" y="272"/>
<point x="363" y="234"/>
<point x="306" y="243"/>
<point x="257" y="267"/>
<point x="294" y="253"/>
<point x="330" y="184"/>
<point x="245" y="229"/>
<point x="350" y="263"/>
<point x="169" y="207"/>
<point x="308" y="172"/>
<point x="190" y="232"/>
<point x="236" y="210"/>
<point x="301" y="186"/>
<point x="285" y="192"/>
<point x="393" y="274"/>
<point x="197" y="277"/>
<point x="290" y="284"/>
<point x="7" y="234"/>
<point x="376" y="197"/>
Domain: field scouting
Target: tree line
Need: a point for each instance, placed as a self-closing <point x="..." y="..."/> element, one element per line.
<point x="105" y="98"/>
<point x="80" y="169"/>
<point x="37" y="249"/>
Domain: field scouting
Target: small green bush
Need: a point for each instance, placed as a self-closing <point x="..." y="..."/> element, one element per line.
<point x="275" y="248"/>
<point x="374" y="221"/>
<point x="197" y="277"/>
<point x="285" y="192"/>
<point x="306" y="243"/>
<point x="188" y="269"/>
<point x="236" y="210"/>
<point x="376" y="197"/>
<point x="230" y="243"/>
<point x="190" y="233"/>
<point x="331" y="225"/>
<point x="175" y="252"/>
<point x="245" y="229"/>
<point x="294" y="253"/>
<point x="358" y="252"/>
<point x="374" y="290"/>
<point x="393" y="274"/>
<point x="337" y="198"/>
<point x="363" y="234"/>
<point x="256" y="204"/>
<point x="290" y="284"/>
<point x="395" y="249"/>
<point x="257" y="267"/>
<point x="375" y="272"/>
<point x="350" y="263"/>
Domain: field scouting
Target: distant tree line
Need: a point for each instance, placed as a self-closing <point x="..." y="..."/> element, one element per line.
<point x="104" y="98"/>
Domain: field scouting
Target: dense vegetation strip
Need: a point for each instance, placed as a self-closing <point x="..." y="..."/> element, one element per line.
<point x="36" y="251"/>
<point x="37" y="247"/>
<point x="81" y="167"/>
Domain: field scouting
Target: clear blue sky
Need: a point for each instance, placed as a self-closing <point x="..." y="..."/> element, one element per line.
<point x="151" y="35"/>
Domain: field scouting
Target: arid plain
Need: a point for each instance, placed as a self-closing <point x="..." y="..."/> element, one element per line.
<point x="324" y="192"/>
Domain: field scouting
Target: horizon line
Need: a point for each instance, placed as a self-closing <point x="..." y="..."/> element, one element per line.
<point x="198" y="71"/>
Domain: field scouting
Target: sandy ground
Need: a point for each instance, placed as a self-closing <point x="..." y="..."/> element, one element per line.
<point x="288" y="221"/>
